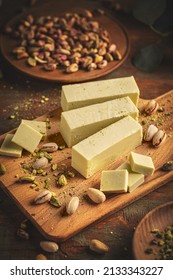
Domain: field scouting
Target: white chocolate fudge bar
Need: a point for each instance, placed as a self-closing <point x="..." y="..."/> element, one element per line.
<point x="8" y="148"/>
<point x="84" y="94"/>
<point x="106" y="145"/>
<point x="141" y="163"/>
<point x="114" y="181"/>
<point x="27" y="137"/>
<point x="134" y="179"/>
<point x="37" y="125"/>
<point x="80" y="123"/>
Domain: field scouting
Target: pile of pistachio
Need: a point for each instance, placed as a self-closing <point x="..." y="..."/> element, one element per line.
<point x="163" y="242"/>
<point x="70" y="42"/>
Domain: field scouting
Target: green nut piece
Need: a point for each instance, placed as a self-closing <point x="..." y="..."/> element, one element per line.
<point x="26" y="179"/>
<point x="2" y="169"/>
<point x="62" y="180"/>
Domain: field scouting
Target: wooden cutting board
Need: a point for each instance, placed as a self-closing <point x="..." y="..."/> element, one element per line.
<point x="52" y="222"/>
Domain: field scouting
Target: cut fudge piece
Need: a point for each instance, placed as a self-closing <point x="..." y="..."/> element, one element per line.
<point x="84" y="94"/>
<point x="114" y="181"/>
<point x="106" y="145"/>
<point x="134" y="179"/>
<point x="37" y="125"/>
<point x="80" y="123"/>
<point x="8" y="148"/>
<point x="27" y="137"/>
<point x="141" y="163"/>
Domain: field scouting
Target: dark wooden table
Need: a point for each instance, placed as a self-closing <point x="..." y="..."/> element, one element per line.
<point x="23" y="97"/>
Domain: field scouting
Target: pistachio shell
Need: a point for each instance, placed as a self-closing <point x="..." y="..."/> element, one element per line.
<point x="159" y="138"/>
<point x="96" y="195"/>
<point x="150" y="132"/>
<point x="40" y="163"/>
<point x="42" y="197"/>
<point x="49" y="246"/>
<point x="98" y="246"/>
<point x="72" y="205"/>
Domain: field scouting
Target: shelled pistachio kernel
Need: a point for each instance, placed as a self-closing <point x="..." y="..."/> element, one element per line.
<point x="62" y="180"/>
<point x="26" y="179"/>
<point x="2" y="169"/>
<point x="55" y="202"/>
<point x="54" y="166"/>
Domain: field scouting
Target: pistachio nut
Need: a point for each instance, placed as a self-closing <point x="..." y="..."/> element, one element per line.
<point x="96" y="195"/>
<point x="72" y="68"/>
<point x="42" y="197"/>
<point x="39" y="60"/>
<point x="87" y="13"/>
<point x="50" y="66"/>
<point x="40" y="163"/>
<point x="109" y="57"/>
<point x="117" y="55"/>
<point x="92" y="66"/>
<point x="20" y="49"/>
<point x="32" y="61"/>
<point x="168" y="166"/>
<point x="72" y="205"/>
<point x="2" y="169"/>
<point x="159" y="138"/>
<point x="62" y="180"/>
<point x="26" y="179"/>
<point x="151" y="107"/>
<point x="22" y="55"/>
<point x="112" y="48"/>
<point x="150" y="132"/>
<point x="102" y="64"/>
<point x="49" y="246"/>
<point x="22" y="233"/>
<point x="40" y="257"/>
<point x="98" y="246"/>
<point x="49" y="147"/>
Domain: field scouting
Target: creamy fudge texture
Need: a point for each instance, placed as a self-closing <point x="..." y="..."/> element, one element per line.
<point x="84" y="94"/>
<point x="77" y="124"/>
<point x="134" y="179"/>
<point x="8" y="148"/>
<point x="141" y="163"/>
<point x="114" y="181"/>
<point x="37" y="125"/>
<point x="106" y="145"/>
<point x="27" y="137"/>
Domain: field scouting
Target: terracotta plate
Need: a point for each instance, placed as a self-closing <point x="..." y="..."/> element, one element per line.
<point x="159" y="218"/>
<point x="118" y="35"/>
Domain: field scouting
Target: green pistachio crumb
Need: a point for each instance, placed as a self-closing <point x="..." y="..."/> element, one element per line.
<point x="62" y="180"/>
<point x="2" y="169"/>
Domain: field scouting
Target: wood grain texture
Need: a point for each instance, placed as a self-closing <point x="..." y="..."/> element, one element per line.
<point x="158" y="218"/>
<point x="117" y="32"/>
<point x="52" y="222"/>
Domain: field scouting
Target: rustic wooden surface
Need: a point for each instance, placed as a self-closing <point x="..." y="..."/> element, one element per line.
<point x="23" y="97"/>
